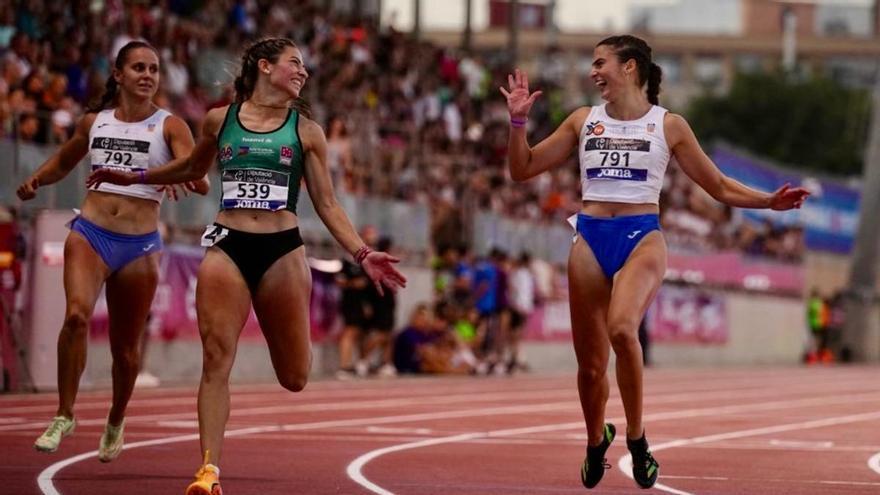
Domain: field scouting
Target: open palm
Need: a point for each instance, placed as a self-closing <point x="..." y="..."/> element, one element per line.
<point x="519" y="100"/>
<point x="379" y="266"/>
<point x="787" y="197"/>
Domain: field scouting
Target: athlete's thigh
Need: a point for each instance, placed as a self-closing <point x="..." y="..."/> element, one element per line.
<point x="589" y="293"/>
<point x="282" y="307"/>
<point x="84" y="274"/>
<point x="130" y="292"/>
<point x="637" y="281"/>
<point x="223" y="301"/>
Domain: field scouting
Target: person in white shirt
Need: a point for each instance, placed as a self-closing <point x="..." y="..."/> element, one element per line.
<point x="618" y="257"/>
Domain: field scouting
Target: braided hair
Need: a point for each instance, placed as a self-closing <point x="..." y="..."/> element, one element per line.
<point x="630" y="47"/>
<point x="269" y="49"/>
<point x="111" y="89"/>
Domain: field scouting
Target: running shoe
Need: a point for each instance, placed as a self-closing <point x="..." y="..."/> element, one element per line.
<point x="207" y="480"/>
<point x="59" y="428"/>
<point x="645" y="468"/>
<point x="111" y="442"/>
<point x="595" y="463"/>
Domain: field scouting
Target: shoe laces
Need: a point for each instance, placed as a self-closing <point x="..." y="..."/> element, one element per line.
<point x="647" y="459"/>
<point x="56" y="427"/>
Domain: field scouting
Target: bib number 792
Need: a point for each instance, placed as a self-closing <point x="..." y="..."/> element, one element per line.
<point x="253" y="191"/>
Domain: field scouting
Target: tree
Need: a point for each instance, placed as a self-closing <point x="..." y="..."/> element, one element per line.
<point x="815" y="124"/>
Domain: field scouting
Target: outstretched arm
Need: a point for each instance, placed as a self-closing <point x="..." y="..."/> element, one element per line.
<point x="526" y="162"/>
<point x="180" y="140"/>
<point x="186" y="168"/>
<point x="378" y="266"/>
<point x="699" y="167"/>
<point x="61" y="162"/>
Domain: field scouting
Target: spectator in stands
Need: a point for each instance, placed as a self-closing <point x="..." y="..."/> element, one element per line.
<point x="380" y="324"/>
<point x="522" y="303"/>
<point x="357" y="312"/>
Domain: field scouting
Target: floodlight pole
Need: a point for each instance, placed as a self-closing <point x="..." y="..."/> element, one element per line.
<point x="861" y="333"/>
<point x="513" y="31"/>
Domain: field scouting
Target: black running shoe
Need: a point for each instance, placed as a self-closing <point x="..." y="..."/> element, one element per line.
<point x="645" y="468"/>
<point x="595" y="463"/>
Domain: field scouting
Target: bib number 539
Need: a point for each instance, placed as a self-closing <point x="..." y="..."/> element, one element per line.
<point x="253" y="191"/>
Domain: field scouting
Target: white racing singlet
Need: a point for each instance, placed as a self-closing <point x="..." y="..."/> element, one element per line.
<point x="129" y="146"/>
<point x="623" y="161"/>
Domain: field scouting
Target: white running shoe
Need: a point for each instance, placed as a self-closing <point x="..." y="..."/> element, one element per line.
<point x="145" y="379"/>
<point x="60" y="427"/>
<point x="111" y="442"/>
<point x="387" y="371"/>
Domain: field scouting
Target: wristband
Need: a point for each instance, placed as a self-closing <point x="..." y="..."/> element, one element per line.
<point x="361" y="254"/>
<point x="514" y="122"/>
<point x="142" y="176"/>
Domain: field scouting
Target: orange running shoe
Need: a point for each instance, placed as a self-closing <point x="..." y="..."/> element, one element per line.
<point x="207" y="480"/>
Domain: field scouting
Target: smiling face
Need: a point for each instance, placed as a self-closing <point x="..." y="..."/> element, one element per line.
<point x="288" y="73"/>
<point x="609" y="74"/>
<point x="139" y="75"/>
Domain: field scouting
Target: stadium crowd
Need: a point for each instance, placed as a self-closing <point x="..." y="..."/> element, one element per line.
<point x="404" y="119"/>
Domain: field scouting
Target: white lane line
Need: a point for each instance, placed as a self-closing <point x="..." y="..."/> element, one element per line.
<point x="411" y="388"/>
<point x="355" y="468"/>
<point x="45" y="478"/>
<point x="319" y="407"/>
<point x="625" y="462"/>
<point x="874" y="463"/>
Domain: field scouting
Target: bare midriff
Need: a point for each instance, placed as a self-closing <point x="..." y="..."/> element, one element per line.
<point x="609" y="209"/>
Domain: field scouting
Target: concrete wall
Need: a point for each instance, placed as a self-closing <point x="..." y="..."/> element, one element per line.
<point x="763" y="330"/>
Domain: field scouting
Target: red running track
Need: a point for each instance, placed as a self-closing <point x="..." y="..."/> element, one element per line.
<point x="729" y="431"/>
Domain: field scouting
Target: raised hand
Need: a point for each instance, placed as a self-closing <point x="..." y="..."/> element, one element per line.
<point x="28" y="189"/>
<point x="111" y="176"/>
<point x="787" y="197"/>
<point x="379" y="267"/>
<point x="519" y="100"/>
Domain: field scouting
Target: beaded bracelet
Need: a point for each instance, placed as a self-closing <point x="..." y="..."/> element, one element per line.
<point x="361" y="254"/>
<point x="518" y="122"/>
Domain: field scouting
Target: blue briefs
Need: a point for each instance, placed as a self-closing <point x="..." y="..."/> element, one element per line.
<point x="117" y="250"/>
<point x="613" y="239"/>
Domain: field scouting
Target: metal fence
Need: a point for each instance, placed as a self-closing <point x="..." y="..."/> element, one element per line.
<point x="407" y="223"/>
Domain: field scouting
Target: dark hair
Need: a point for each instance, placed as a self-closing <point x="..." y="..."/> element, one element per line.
<point x="630" y="47"/>
<point x="111" y="90"/>
<point x="269" y="49"/>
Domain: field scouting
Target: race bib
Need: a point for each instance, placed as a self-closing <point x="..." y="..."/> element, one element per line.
<point x="213" y="234"/>
<point x="252" y="188"/>
<point x="119" y="153"/>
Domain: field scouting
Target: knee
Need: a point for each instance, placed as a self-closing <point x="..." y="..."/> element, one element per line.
<point x="624" y="337"/>
<point x="217" y="357"/>
<point x="592" y="372"/>
<point x="76" y="323"/>
<point x="128" y="358"/>
<point x="295" y="381"/>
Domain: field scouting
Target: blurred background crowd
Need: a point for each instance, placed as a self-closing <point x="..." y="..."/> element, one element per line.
<point x="406" y="119"/>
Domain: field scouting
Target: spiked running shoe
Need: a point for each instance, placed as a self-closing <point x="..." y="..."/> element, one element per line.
<point x="207" y="480"/>
<point x="59" y="428"/>
<point x="111" y="442"/>
<point x="645" y="468"/>
<point x="595" y="463"/>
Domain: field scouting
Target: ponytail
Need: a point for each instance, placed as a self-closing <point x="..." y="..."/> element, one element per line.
<point x="106" y="100"/>
<point x="655" y="75"/>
